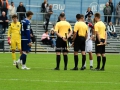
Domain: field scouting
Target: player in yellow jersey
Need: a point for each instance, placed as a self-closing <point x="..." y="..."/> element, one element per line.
<point x="62" y="30"/>
<point x="14" y="37"/>
<point x="101" y="38"/>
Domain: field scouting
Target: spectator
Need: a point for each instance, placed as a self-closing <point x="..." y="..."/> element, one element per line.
<point x="12" y="11"/>
<point x="4" y="6"/>
<point x="45" y="38"/>
<point x="44" y="6"/>
<point x="111" y="5"/>
<point x="111" y="30"/>
<point x="118" y="14"/>
<point x="21" y="11"/>
<point x="89" y="13"/>
<point x="4" y="22"/>
<point x="0" y="6"/>
<point x="53" y="28"/>
<point x="47" y="17"/>
<point x="107" y="13"/>
<point x="53" y="38"/>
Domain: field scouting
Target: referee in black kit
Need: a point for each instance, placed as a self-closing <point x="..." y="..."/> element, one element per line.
<point x="61" y="29"/>
<point x="79" y="38"/>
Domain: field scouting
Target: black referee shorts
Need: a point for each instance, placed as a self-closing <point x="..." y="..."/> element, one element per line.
<point x="61" y="46"/>
<point x="101" y="48"/>
<point x="79" y="43"/>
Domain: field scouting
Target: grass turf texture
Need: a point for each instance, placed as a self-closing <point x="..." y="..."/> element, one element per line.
<point x="42" y="77"/>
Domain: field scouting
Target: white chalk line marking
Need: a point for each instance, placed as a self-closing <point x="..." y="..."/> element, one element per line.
<point x="54" y="81"/>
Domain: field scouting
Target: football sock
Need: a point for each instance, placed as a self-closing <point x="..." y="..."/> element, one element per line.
<point x="13" y="56"/>
<point x="103" y="62"/>
<point x="83" y="60"/>
<point x="76" y="60"/>
<point x="57" y="61"/>
<point x="65" y="60"/>
<point x="23" y="58"/>
<point x="91" y="62"/>
<point x="85" y="64"/>
<point x="98" y="61"/>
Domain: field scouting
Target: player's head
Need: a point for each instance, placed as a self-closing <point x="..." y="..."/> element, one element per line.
<point x="97" y="16"/>
<point x="29" y="14"/>
<point x="89" y="9"/>
<point x="14" y="18"/>
<point x="45" y="1"/>
<point x="21" y="4"/>
<point x="62" y="16"/>
<point x="80" y="17"/>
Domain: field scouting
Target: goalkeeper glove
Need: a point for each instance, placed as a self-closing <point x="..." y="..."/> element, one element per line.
<point x="9" y="41"/>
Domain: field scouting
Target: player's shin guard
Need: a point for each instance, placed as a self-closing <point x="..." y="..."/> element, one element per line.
<point x="103" y="62"/>
<point x="23" y="58"/>
<point x="65" y="61"/>
<point x="76" y="61"/>
<point x="13" y="56"/>
<point x="83" y="60"/>
<point x="58" y="61"/>
<point x="98" y="62"/>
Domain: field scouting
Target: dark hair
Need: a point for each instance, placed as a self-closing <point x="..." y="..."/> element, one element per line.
<point x="79" y="16"/>
<point x="12" y="2"/>
<point x="46" y="31"/>
<point x="62" y="15"/>
<point x="28" y="13"/>
<point x="97" y="15"/>
<point x="14" y="16"/>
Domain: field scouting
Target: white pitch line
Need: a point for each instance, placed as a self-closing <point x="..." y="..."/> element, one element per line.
<point x="54" y="81"/>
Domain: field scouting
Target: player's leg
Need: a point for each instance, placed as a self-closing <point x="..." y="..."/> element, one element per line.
<point x="98" y="58"/>
<point x="82" y="47"/>
<point x="76" y="49"/>
<point x="91" y="60"/>
<point x="103" y="58"/>
<point x="19" y="48"/>
<point x="65" y="60"/>
<point x="58" y="53"/>
<point x="13" y="48"/>
<point x="65" y="52"/>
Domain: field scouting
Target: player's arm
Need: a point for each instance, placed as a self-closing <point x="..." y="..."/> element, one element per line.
<point x="105" y="37"/>
<point x="9" y="33"/>
<point x="96" y="33"/>
<point x="28" y="35"/>
<point x="69" y="35"/>
<point x="56" y="30"/>
<point x="86" y="35"/>
<point x="75" y="32"/>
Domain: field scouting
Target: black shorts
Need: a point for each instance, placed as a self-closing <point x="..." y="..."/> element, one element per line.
<point x="61" y="46"/>
<point x="79" y="43"/>
<point x="99" y="49"/>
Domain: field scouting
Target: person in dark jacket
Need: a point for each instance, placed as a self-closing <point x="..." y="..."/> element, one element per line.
<point x="89" y="13"/>
<point x="44" y="6"/>
<point x="4" y="22"/>
<point x="21" y="10"/>
<point x="112" y="7"/>
<point x="107" y="13"/>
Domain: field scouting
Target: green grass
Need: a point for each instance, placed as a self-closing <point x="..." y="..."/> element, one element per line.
<point x="42" y="77"/>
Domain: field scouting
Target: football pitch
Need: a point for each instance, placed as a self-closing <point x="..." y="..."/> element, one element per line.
<point x="42" y="77"/>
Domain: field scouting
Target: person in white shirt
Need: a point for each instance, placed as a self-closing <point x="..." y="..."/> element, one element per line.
<point x="111" y="30"/>
<point x="12" y="10"/>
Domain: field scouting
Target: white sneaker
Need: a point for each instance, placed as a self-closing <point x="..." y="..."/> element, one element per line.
<point x="14" y="63"/>
<point x="25" y="68"/>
